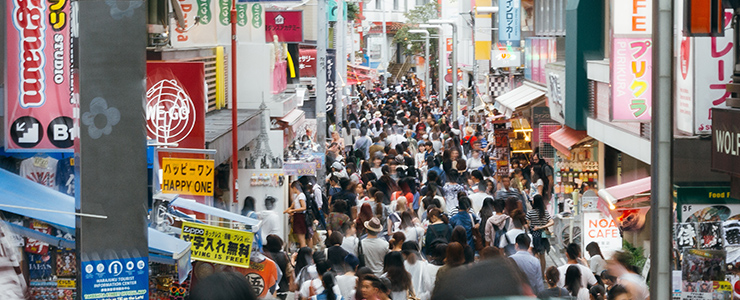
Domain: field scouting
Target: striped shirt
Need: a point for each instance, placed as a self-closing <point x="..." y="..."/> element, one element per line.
<point x="533" y="216"/>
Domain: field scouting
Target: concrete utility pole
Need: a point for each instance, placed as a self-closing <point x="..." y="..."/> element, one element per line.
<point x="339" y="29"/>
<point x="440" y="62"/>
<point x="384" y="53"/>
<point x="453" y="78"/>
<point x="662" y="151"/>
<point x="321" y="45"/>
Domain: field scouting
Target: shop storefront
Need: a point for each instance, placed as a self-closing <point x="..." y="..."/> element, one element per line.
<point x="706" y="241"/>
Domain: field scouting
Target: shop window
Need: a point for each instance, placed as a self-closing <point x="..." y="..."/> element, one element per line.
<point x="377" y="4"/>
<point x="549" y="17"/>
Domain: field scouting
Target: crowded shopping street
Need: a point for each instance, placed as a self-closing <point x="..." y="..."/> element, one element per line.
<point x="370" y="150"/>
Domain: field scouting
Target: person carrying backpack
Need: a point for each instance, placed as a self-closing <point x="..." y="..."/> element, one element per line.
<point x="468" y="140"/>
<point x="438" y="231"/>
<point x="497" y="224"/>
<point x="508" y="240"/>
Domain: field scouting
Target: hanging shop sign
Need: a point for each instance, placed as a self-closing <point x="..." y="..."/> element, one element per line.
<point x="300" y="169"/>
<point x="218" y="245"/>
<point x="504" y="58"/>
<point x="187" y="176"/>
<point x="631" y="79"/>
<point x="286" y="25"/>
<point x="725" y="140"/>
<point x="602" y="230"/>
<point x="125" y="278"/>
<point x="39" y="102"/>
<point x="175" y="109"/>
<point x="509" y="21"/>
<point x="631" y="62"/>
<point x="331" y="91"/>
<point x="555" y="74"/>
<point x="307" y="62"/>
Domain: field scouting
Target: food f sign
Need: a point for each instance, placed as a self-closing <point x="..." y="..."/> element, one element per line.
<point x="187" y="176"/>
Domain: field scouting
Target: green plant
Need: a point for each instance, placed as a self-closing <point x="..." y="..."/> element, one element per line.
<point x="353" y="11"/>
<point x="414" y="17"/>
<point x="637" y="253"/>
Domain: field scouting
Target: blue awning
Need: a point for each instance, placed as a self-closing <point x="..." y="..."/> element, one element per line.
<point x="217" y="212"/>
<point x="18" y="191"/>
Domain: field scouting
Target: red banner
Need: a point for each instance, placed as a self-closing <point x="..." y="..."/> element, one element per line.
<point x="286" y="25"/>
<point x="175" y="109"/>
<point x="38" y="102"/>
<point x="307" y="62"/>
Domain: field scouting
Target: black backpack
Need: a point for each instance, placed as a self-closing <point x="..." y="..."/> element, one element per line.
<point x="499" y="232"/>
<point x="438" y="240"/>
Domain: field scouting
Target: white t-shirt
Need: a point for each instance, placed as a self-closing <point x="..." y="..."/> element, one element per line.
<point x="421" y="278"/>
<point x="586" y="276"/>
<point x="270" y="224"/>
<point x="318" y="288"/>
<point x="597" y="264"/>
<point x="40" y="170"/>
<point x="476" y="200"/>
<point x="512" y="234"/>
<point x="414" y="233"/>
<point x="349" y="244"/>
<point x="347" y="286"/>
<point x="297" y="202"/>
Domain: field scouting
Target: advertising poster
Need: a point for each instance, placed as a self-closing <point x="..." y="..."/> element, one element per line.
<point x="286" y="25"/>
<point x="38" y="89"/>
<point x="684" y="74"/>
<point x="631" y="79"/>
<point x="218" y="245"/>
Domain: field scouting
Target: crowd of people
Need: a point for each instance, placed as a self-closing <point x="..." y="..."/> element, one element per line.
<point x="414" y="207"/>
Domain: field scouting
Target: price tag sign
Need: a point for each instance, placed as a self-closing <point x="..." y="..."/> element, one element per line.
<point x="187" y="176"/>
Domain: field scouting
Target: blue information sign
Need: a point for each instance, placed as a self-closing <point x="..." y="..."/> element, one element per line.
<point x="509" y="21"/>
<point x="121" y="279"/>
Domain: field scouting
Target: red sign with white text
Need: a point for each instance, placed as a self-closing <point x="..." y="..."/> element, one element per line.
<point x="286" y="25"/>
<point x="307" y="62"/>
<point x="38" y="101"/>
<point x="175" y="109"/>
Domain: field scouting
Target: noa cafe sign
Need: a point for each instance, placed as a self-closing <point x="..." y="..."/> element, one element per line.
<point x="726" y="140"/>
<point x="602" y="230"/>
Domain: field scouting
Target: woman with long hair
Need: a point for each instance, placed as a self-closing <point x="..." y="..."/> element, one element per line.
<point x="498" y="222"/>
<point x="486" y="211"/>
<point x="274" y="250"/>
<point x="396" y="241"/>
<point x="451" y="190"/>
<point x="508" y="240"/>
<point x="597" y="263"/>
<point x="366" y="173"/>
<point x="381" y="211"/>
<point x="410" y="229"/>
<point x="460" y="235"/>
<point x="297" y="211"/>
<point x="455" y="257"/>
<point x="366" y="213"/>
<point x="303" y="262"/>
<point x="573" y="283"/>
<point x="394" y="270"/>
<point x="539" y="220"/>
<point x="327" y="281"/>
<point x="438" y="231"/>
<point x="540" y="181"/>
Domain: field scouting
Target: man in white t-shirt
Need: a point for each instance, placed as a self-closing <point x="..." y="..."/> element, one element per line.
<point x="573" y="252"/>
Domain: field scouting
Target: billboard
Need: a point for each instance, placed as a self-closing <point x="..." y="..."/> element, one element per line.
<point x="287" y="26"/>
<point x="38" y="89"/>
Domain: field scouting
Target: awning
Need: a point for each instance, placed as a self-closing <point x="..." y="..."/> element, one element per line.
<point x="218" y="131"/>
<point x="210" y="210"/>
<point x="618" y="192"/>
<point x="293" y="117"/>
<point x="18" y="191"/>
<point x="517" y="97"/>
<point x="565" y="138"/>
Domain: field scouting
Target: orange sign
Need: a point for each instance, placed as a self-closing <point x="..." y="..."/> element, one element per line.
<point x="449" y="44"/>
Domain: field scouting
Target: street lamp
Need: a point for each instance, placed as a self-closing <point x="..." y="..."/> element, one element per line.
<point x="454" y="62"/>
<point x="426" y="57"/>
<point x="440" y="62"/>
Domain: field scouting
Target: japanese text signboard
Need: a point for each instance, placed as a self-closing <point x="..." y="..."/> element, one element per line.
<point x="726" y="141"/>
<point x="509" y="21"/>
<point x="218" y="245"/>
<point x="126" y="279"/>
<point x="187" y="176"/>
<point x="631" y="72"/>
<point x="38" y="99"/>
<point x="286" y="25"/>
<point x="307" y="62"/>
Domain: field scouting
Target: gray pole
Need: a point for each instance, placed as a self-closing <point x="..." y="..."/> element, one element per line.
<point x="662" y="151"/>
<point x="385" y="51"/>
<point x="429" y="65"/>
<point x="441" y="56"/>
<point x="454" y="72"/>
<point x="341" y="59"/>
<point x="321" y="45"/>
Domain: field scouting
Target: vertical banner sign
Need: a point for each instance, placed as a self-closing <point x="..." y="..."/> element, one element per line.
<point x="38" y="99"/>
<point x="175" y="108"/>
<point x="632" y="61"/>
<point x="714" y="60"/>
<point x="631" y="79"/>
<point x="286" y="25"/>
<point x="218" y="245"/>
<point x="331" y="91"/>
<point x="509" y="21"/>
<point x="684" y="74"/>
<point x="257" y="15"/>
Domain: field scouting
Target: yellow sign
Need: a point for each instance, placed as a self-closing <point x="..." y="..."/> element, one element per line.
<point x="218" y="245"/>
<point x="66" y="283"/>
<point x="187" y="176"/>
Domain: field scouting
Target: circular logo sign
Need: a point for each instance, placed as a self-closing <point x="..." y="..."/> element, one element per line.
<point x="59" y="132"/>
<point x="170" y="112"/>
<point x="26" y="132"/>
